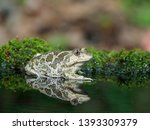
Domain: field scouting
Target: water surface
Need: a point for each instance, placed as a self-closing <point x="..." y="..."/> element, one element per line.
<point x="104" y="96"/>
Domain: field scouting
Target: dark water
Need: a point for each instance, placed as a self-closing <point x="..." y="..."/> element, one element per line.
<point x="105" y="96"/>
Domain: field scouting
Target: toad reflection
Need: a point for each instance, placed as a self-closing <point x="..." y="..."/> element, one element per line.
<point x="67" y="90"/>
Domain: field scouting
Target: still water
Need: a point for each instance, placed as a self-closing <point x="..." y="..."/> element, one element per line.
<point x="28" y="94"/>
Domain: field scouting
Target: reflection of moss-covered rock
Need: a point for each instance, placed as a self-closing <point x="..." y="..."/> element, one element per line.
<point x="15" y="82"/>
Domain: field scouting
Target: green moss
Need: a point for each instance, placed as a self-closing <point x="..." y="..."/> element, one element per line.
<point x="124" y="65"/>
<point x="96" y="63"/>
<point x="15" y="82"/>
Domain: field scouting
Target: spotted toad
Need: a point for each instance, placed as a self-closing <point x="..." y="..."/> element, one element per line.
<point x="63" y="64"/>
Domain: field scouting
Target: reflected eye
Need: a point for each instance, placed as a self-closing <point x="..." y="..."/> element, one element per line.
<point x="77" y="52"/>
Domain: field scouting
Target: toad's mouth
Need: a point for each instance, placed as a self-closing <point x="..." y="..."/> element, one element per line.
<point x="77" y="64"/>
<point x="80" y="62"/>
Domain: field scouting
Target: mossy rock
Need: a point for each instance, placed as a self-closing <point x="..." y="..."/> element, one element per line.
<point x="124" y="65"/>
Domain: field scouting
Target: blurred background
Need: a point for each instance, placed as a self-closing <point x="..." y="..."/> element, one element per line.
<point x="104" y="24"/>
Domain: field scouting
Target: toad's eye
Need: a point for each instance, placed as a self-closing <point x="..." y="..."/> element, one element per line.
<point x="77" y="52"/>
